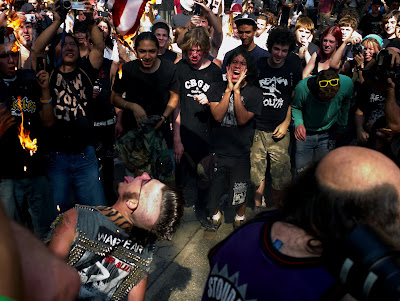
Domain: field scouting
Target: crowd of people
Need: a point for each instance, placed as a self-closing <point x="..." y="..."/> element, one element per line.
<point x="247" y="107"/>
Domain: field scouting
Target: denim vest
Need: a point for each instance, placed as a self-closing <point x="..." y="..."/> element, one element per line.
<point x="109" y="263"/>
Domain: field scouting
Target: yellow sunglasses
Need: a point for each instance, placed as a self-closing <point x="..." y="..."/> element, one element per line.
<point x="333" y="82"/>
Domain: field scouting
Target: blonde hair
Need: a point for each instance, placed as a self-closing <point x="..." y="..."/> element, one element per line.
<point x="150" y="14"/>
<point x="304" y="22"/>
<point x="375" y="44"/>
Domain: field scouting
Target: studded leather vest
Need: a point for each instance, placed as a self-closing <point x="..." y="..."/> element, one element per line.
<point x="108" y="262"/>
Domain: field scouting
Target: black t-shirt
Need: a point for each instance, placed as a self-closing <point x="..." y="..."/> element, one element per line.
<point x="257" y="53"/>
<point x="277" y="85"/>
<point x="72" y="95"/>
<point x="371" y="102"/>
<point x="168" y="55"/>
<point x="312" y="48"/>
<point x="273" y="6"/>
<point x="370" y="25"/>
<point x="195" y="118"/>
<point x="103" y="109"/>
<point x="149" y="90"/>
<point x="13" y="157"/>
<point x="228" y="139"/>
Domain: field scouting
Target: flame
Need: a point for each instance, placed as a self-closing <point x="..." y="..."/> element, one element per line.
<point x="152" y="2"/>
<point x="23" y="135"/>
<point x="127" y="40"/>
<point x="58" y="208"/>
<point x="15" y="48"/>
<point x="120" y="71"/>
<point x="14" y="21"/>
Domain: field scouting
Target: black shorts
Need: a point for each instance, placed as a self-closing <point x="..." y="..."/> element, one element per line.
<point x="231" y="176"/>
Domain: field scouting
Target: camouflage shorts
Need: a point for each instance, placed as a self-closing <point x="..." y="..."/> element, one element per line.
<point x="264" y="146"/>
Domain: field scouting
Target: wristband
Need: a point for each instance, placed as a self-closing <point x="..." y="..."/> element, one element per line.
<point x="45" y="101"/>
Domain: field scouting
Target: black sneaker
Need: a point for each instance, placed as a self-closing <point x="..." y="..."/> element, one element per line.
<point x="211" y="228"/>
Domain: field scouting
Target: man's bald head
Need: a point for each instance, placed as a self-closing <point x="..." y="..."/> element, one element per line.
<point x="349" y="187"/>
<point x="353" y="168"/>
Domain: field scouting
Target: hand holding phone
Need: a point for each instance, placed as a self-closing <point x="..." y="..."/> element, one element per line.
<point x="39" y="63"/>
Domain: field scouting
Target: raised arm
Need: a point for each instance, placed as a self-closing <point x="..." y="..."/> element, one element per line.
<point x="45" y="38"/>
<point x="97" y="53"/>
<point x="216" y="39"/>
<point x="392" y="109"/>
<point x="310" y="66"/>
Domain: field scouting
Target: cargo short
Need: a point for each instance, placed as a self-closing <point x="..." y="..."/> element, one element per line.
<point x="264" y="146"/>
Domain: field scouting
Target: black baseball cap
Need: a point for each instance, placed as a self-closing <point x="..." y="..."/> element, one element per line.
<point x="247" y="19"/>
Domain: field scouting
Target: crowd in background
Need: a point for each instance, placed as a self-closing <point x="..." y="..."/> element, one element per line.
<point x="230" y="102"/>
<point x="345" y="36"/>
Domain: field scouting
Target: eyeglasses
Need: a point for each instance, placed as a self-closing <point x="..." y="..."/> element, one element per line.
<point x="333" y="82"/>
<point x="6" y="55"/>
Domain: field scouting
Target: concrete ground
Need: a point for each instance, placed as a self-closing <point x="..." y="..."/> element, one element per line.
<point x="180" y="268"/>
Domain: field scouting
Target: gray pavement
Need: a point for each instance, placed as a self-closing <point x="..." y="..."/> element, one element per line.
<point x="180" y="267"/>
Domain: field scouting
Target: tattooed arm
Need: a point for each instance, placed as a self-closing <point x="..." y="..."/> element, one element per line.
<point x="64" y="234"/>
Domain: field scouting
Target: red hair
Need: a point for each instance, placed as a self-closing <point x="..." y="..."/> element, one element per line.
<point x="337" y="34"/>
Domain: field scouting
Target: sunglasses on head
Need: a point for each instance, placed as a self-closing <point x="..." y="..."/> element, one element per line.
<point x="333" y="82"/>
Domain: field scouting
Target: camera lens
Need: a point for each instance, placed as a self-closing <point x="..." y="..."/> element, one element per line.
<point x="67" y="4"/>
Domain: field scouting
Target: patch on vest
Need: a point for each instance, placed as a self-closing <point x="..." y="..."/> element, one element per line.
<point x="114" y="239"/>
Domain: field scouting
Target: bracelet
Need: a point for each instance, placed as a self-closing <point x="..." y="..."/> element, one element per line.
<point x="165" y="118"/>
<point x="43" y="101"/>
<point x="125" y="104"/>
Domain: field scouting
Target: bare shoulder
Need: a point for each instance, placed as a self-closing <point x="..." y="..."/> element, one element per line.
<point x="64" y="233"/>
<point x="65" y="222"/>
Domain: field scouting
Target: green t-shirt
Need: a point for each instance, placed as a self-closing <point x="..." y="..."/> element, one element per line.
<point x="317" y="115"/>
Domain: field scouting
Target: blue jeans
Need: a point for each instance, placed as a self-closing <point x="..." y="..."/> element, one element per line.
<point x="313" y="149"/>
<point x="78" y="172"/>
<point x="33" y="193"/>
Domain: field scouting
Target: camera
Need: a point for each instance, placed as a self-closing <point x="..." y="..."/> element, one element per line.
<point x="78" y="5"/>
<point x="367" y="264"/>
<point x="357" y="49"/>
<point x="382" y="70"/>
<point x="64" y="7"/>
<point x="103" y="13"/>
<point x="30" y="18"/>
